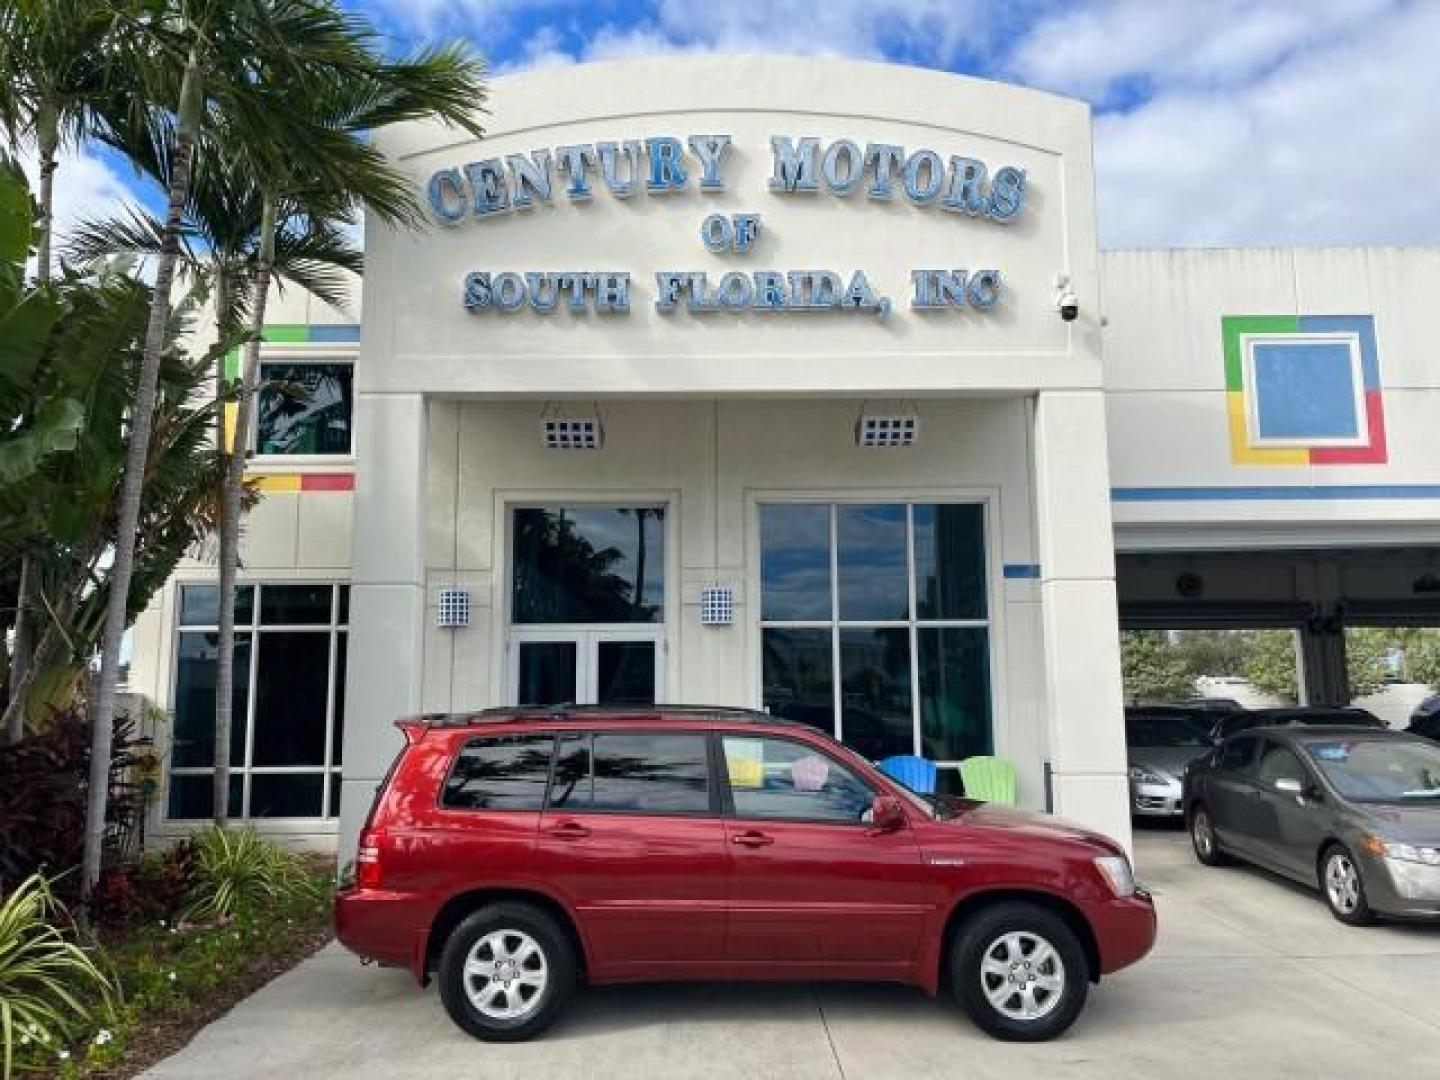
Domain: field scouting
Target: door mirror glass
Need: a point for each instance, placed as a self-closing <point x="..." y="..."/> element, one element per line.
<point x="1288" y="786"/>
<point x="886" y="814"/>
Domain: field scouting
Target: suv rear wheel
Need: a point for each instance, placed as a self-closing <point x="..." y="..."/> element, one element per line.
<point x="506" y="971"/>
<point x="1019" y="972"/>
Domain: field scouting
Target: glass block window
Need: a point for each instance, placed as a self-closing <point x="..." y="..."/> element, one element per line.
<point x="305" y="408"/>
<point x="288" y="709"/>
<point x="875" y="625"/>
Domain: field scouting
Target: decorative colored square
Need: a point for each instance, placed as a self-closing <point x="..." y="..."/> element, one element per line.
<point x="1303" y="390"/>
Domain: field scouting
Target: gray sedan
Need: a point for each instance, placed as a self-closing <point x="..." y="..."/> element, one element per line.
<point x="1354" y="812"/>
<point x="1160" y="741"/>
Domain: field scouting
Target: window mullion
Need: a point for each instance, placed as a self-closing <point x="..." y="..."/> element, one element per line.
<point x="836" y="691"/>
<point x="911" y="629"/>
<point x="250" y="701"/>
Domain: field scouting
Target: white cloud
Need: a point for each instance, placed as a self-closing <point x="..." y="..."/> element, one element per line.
<point x="86" y="187"/>
<point x="1333" y="144"/>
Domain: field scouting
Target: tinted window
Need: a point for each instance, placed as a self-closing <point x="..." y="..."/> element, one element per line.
<point x="305" y="409"/>
<point x="775" y="778"/>
<point x="1165" y="729"/>
<point x="506" y="773"/>
<point x="1279" y="763"/>
<point x="1237" y="754"/>
<point x="641" y="773"/>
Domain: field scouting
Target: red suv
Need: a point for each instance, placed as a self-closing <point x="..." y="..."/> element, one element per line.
<point x="513" y="852"/>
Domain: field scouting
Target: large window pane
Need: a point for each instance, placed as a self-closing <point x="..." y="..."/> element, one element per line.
<point x="286" y="795"/>
<point x="200" y="604"/>
<point x="193" y="797"/>
<point x="505" y="773"/>
<point x="193" y="739"/>
<point x="954" y="693"/>
<point x="547" y="672"/>
<point x="795" y="562"/>
<point x="871" y="564"/>
<point x="774" y="778"/>
<point x="798" y="681"/>
<point x="295" y="605"/>
<point x="290" y="699"/>
<point x="950" y="561"/>
<point x="651" y="774"/>
<point x="875" y="717"/>
<point x="337" y="742"/>
<point x="305" y="409"/>
<point x="589" y="565"/>
<point x="626" y="673"/>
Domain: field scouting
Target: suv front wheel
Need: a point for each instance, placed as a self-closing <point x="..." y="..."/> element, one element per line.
<point x="1019" y="972"/>
<point x="506" y="971"/>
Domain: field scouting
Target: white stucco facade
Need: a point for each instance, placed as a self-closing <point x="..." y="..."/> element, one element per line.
<point x="713" y="416"/>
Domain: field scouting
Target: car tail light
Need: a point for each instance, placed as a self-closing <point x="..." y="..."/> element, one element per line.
<point x="367" y="860"/>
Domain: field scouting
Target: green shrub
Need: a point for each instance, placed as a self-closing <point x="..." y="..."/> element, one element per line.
<point x="234" y="870"/>
<point x="44" y="977"/>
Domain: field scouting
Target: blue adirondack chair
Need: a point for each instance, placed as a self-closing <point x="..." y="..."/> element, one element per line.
<point x="916" y="773"/>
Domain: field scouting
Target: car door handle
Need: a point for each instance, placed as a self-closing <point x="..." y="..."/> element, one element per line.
<point x="752" y="839"/>
<point x="569" y="830"/>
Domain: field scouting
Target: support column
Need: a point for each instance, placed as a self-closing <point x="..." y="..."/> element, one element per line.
<point x="387" y="597"/>
<point x="1084" y="696"/>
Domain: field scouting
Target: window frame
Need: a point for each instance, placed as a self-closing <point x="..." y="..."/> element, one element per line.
<point x="713" y="810"/>
<point x="987" y="498"/>
<point x="330" y="769"/>
<point x="474" y="740"/>
<point x="728" y="796"/>
<point x="303" y="353"/>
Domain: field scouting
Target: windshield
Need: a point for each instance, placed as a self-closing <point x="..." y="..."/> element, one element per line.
<point x="1165" y="729"/>
<point x="1379" y="770"/>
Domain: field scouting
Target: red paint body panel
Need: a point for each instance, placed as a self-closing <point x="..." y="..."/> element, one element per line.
<point x="676" y="897"/>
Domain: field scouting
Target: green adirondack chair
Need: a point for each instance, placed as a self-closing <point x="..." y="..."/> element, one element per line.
<point x="992" y="779"/>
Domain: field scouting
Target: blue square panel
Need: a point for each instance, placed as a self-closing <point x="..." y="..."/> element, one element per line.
<point x="1305" y="390"/>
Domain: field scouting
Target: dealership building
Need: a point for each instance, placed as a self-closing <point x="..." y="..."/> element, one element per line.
<point x="801" y="385"/>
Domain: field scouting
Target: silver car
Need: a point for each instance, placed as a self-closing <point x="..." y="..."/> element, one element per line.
<point x="1161" y="740"/>
<point x="1352" y="811"/>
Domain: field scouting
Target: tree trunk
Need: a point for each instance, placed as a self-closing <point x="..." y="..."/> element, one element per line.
<point x="47" y="136"/>
<point x="230" y="503"/>
<point x="137" y="454"/>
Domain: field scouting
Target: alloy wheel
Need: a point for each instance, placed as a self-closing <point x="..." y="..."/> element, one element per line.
<point x="506" y="975"/>
<point x="1342" y="883"/>
<point x="1022" y="975"/>
<point x="1202" y="834"/>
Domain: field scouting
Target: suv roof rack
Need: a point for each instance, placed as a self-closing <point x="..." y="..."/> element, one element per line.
<point x="503" y="713"/>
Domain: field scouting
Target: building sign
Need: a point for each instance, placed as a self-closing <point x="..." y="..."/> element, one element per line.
<point x="659" y="166"/>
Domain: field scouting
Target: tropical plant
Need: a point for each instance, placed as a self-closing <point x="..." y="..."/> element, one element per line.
<point x="1153" y="667"/>
<point x="235" y="870"/>
<point x="45" y="978"/>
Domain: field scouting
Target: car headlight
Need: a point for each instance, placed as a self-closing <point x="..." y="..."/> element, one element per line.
<point x="1427" y="856"/>
<point x="1115" y="869"/>
<point x="1142" y="775"/>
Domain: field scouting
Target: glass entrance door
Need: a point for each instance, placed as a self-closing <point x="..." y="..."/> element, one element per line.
<point x="585" y="667"/>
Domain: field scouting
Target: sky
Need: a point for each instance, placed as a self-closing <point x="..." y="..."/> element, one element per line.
<point x="1217" y="122"/>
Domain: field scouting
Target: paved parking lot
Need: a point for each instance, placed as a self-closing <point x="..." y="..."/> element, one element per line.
<point x="1251" y="977"/>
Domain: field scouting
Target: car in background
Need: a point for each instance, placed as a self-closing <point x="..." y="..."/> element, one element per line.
<point x="1352" y="811"/>
<point x="1425" y="720"/>
<point x="1293" y="715"/>
<point x="1160" y="741"/>
<point x="512" y="853"/>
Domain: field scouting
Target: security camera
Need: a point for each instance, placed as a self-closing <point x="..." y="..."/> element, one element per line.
<point x="1068" y="304"/>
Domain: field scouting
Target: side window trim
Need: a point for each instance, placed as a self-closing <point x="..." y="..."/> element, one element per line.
<point x="729" y="800"/>
<point x="480" y="740"/>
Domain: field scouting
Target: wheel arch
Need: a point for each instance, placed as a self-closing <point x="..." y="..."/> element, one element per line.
<point x="456" y="909"/>
<point x="968" y="906"/>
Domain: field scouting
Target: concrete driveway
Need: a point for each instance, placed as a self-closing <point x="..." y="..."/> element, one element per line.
<point x="1251" y="977"/>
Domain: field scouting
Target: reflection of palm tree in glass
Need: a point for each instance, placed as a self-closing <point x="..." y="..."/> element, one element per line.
<point x="561" y="577"/>
<point x="640" y="513"/>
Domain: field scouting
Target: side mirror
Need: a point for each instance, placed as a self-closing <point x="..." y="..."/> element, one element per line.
<point x="886" y="814"/>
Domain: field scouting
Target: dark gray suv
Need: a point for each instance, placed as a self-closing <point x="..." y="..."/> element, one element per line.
<point x="1354" y="811"/>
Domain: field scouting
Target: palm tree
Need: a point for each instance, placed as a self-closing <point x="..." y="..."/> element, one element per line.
<point x="207" y="61"/>
<point x="297" y="199"/>
<point x="54" y="84"/>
